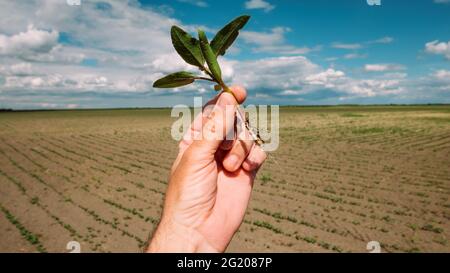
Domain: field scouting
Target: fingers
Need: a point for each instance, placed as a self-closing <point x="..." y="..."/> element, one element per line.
<point x="240" y="95"/>
<point x="197" y="126"/>
<point x="255" y="159"/>
<point x="195" y="129"/>
<point x="239" y="150"/>
<point x="234" y="159"/>
<point x="241" y="147"/>
<point x="218" y="124"/>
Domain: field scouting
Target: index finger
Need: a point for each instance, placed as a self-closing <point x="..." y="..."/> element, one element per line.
<point x="195" y="129"/>
<point x="196" y="126"/>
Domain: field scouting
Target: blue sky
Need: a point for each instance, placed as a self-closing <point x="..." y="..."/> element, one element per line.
<point x="108" y="53"/>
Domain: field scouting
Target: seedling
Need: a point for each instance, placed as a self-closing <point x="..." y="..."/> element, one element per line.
<point x="203" y="54"/>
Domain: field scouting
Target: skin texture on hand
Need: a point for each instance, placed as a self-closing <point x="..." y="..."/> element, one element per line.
<point x="210" y="183"/>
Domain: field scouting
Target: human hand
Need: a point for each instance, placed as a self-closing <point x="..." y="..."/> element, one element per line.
<point x="210" y="183"/>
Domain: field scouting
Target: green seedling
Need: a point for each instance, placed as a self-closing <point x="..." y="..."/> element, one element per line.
<point x="203" y="54"/>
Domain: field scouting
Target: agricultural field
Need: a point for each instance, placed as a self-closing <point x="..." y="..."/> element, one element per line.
<point x="342" y="176"/>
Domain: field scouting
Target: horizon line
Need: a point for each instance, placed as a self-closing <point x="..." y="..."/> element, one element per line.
<point x="3" y="110"/>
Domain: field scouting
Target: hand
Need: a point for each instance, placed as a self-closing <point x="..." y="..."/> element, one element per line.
<point x="210" y="182"/>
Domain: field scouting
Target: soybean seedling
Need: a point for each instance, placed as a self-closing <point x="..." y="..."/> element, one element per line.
<point x="203" y="54"/>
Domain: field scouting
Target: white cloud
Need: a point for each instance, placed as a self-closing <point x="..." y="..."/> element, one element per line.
<point x="130" y="45"/>
<point x="441" y="1"/>
<point x="275" y="36"/>
<point x="384" y="40"/>
<point x="346" y="46"/>
<point x="30" y="42"/>
<point x="298" y="76"/>
<point x="198" y="3"/>
<point x="167" y="63"/>
<point x="383" y="67"/>
<point x="325" y="78"/>
<point x="443" y="75"/>
<point x="48" y="105"/>
<point x="274" y="42"/>
<point x="438" y="48"/>
<point x="34" y="82"/>
<point x="373" y="87"/>
<point x="355" y="46"/>
<point x="395" y="75"/>
<point x="259" y="4"/>
<point x="114" y="25"/>
<point x="274" y="73"/>
<point x="120" y="49"/>
<point x="290" y="92"/>
<point x="17" y="69"/>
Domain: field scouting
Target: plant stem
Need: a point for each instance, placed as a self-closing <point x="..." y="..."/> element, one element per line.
<point x="204" y="78"/>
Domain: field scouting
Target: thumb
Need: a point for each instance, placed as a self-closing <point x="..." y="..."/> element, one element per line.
<point x="218" y="125"/>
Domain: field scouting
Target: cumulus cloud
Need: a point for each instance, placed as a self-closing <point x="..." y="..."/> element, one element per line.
<point x="130" y="46"/>
<point x="108" y="54"/>
<point x="259" y="4"/>
<point x="17" y="69"/>
<point x="30" y="42"/>
<point x="373" y="87"/>
<point x="276" y="35"/>
<point x="274" y="41"/>
<point x="298" y="76"/>
<point x="274" y="73"/>
<point x="325" y="78"/>
<point x="438" y="48"/>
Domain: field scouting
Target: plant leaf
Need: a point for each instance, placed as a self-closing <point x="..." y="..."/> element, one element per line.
<point x="226" y="36"/>
<point x="175" y="80"/>
<point x="210" y="56"/>
<point x="187" y="47"/>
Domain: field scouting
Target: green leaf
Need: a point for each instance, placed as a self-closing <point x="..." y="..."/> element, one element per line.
<point x="226" y="36"/>
<point x="187" y="46"/>
<point x="175" y="80"/>
<point x="210" y="56"/>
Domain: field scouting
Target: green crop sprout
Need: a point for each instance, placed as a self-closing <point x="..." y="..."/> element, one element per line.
<point x="199" y="51"/>
<point x="203" y="54"/>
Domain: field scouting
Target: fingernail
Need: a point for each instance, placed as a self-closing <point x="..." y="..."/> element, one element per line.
<point x="224" y="100"/>
<point x="233" y="161"/>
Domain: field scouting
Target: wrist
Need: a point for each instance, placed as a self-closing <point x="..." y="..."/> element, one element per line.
<point x="171" y="237"/>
